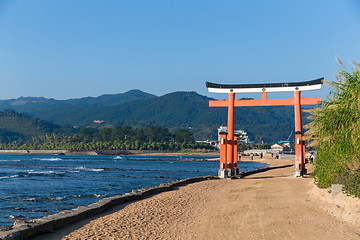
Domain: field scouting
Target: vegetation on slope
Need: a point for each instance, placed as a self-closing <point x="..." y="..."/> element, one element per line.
<point x="335" y="132"/>
<point x="173" y="110"/>
<point x="18" y="127"/>
<point x="178" y="110"/>
<point x="70" y="111"/>
<point x="110" y="99"/>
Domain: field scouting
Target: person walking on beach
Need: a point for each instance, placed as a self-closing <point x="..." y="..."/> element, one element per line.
<point x="277" y="156"/>
<point x="251" y="156"/>
<point x="261" y="155"/>
<point x="311" y="158"/>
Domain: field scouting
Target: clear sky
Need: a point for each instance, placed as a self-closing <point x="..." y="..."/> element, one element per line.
<point x="70" y="49"/>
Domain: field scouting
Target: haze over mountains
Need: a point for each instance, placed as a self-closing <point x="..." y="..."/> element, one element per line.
<point x="174" y="110"/>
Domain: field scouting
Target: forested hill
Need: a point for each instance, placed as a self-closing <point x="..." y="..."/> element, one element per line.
<point x="110" y="99"/>
<point x="19" y="127"/>
<point x="173" y="110"/>
<point x="34" y="104"/>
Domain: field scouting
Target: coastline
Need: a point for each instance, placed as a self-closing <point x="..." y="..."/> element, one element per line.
<point x="109" y="152"/>
<point x="265" y="205"/>
<point x="199" y="207"/>
<point x="66" y="216"/>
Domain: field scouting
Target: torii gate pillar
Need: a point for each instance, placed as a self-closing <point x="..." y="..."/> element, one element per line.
<point x="228" y="142"/>
<point x="299" y="142"/>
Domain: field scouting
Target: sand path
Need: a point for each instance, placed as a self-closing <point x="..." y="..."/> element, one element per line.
<point x="268" y="205"/>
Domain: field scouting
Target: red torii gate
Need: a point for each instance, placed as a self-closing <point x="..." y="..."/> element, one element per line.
<point x="228" y="142"/>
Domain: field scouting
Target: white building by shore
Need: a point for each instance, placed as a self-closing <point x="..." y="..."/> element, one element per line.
<point x="242" y="135"/>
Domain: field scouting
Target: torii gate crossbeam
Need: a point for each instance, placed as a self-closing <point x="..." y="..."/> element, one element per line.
<point x="228" y="148"/>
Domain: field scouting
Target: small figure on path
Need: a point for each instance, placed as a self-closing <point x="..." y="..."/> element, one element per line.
<point x="261" y="155"/>
<point x="311" y="158"/>
<point x="277" y="156"/>
<point x="251" y="156"/>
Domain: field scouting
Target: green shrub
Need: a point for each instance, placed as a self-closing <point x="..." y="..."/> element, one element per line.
<point x="351" y="183"/>
<point x="335" y="133"/>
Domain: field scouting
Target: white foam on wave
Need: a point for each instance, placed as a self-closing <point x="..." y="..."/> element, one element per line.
<point x="90" y="169"/>
<point x="28" y="200"/>
<point x="76" y="196"/>
<point x="118" y="157"/>
<point x="100" y="195"/>
<point x="39" y="172"/>
<point x="50" y="159"/>
<point x="10" y="160"/>
<point x="97" y="170"/>
<point x="12" y="176"/>
<point x="56" y="198"/>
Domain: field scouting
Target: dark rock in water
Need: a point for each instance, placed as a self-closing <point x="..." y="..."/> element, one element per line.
<point x="38" y="210"/>
<point x="61" y="154"/>
<point x="68" y="204"/>
<point x="21" y="209"/>
<point x="161" y="177"/>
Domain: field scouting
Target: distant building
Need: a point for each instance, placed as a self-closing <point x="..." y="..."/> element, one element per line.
<point x="280" y="147"/>
<point x="98" y="121"/>
<point x="207" y="141"/>
<point x="242" y="135"/>
<point x="286" y="143"/>
<point x="222" y="128"/>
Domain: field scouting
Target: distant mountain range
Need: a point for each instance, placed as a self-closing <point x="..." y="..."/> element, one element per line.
<point x="24" y="104"/>
<point x="174" y="110"/>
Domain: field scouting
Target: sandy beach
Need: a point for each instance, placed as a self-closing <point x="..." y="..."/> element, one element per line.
<point x="267" y="205"/>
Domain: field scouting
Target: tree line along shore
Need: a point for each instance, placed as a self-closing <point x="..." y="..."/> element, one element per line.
<point x="121" y="138"/>
<point x="117" y="138"/>
<point x="201" y="152"/>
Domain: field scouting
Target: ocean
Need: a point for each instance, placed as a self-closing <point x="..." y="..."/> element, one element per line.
<point x="33" y="186"/>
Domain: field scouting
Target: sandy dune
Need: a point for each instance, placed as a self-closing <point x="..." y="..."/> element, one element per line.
<point x="268" y="205"/>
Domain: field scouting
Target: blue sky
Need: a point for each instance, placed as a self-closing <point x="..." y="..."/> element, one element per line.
<point x="70" y="49"/>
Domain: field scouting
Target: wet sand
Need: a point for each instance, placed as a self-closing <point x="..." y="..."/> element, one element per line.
<point x="267" y="205"/>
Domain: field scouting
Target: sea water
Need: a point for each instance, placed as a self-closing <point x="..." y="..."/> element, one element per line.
<point x="33" y="186"/>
